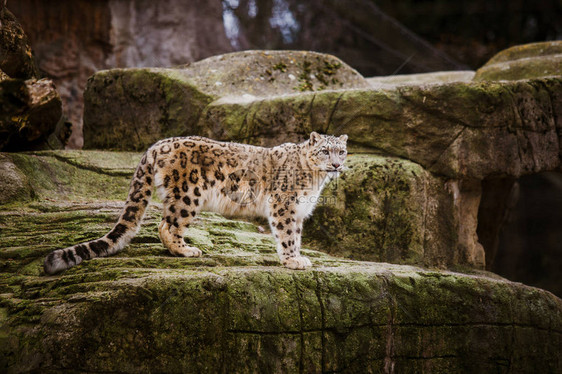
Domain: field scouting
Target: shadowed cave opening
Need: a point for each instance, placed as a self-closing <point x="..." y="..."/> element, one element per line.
<point x="520" y="227"/>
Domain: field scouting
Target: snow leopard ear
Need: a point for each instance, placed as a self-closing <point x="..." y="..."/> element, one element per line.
<point x="314" y="138"/>
<point x="343" y="138"/>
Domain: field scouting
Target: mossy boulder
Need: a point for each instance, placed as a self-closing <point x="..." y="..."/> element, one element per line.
<point x="272" y="73"/>
<point x="524" y="62"/>
<point x="129" y="109"/>
<point x="236" y="309"/>
<point x="388" y="209"/>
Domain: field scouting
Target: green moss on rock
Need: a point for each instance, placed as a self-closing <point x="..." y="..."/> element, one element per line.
<point x="58" y="176"/>
<point x="157" y="103"/>
<point x="153" y="104"/>
<point x="458" y="130"/>
<point x="236" y="309"/>
<point x="526" y="61"/>
<point x="388" y="209"/>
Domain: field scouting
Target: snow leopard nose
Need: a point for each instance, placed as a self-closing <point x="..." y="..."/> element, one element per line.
<point x="336" y="165"/>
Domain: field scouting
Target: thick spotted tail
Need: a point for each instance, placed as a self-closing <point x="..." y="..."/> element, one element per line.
<point x="124" y="230"/>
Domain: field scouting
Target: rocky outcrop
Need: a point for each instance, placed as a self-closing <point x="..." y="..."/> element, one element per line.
<point x="523" y="62"/>
<point x="424" y="185"/>
<point x="16" y="59"/>
<point x="518" y="220"/>
<point x="156" y="103"/>
<point x="29" y="108"/>
<point x="389" y="209"/>
<point x="235" y="308"/>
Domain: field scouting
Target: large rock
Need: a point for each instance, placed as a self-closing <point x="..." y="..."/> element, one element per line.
<point x="31" y="110"/>
<point x="388" y="209"/>
<point x="154" y="103"/>
<point x="523" y="62"/>
<point x="16" y="59"/>
<point x="235" y="309"/>
<point x="517" y="218"/>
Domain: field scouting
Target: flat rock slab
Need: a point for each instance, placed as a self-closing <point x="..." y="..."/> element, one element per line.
<point x="235" y="309"/>
<point x="391" y="81"/>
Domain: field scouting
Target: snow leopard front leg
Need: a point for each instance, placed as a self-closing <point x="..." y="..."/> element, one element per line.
<point x="287" y="229"/>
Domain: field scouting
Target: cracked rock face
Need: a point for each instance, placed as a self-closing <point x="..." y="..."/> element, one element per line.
<point x="235" y="309"/>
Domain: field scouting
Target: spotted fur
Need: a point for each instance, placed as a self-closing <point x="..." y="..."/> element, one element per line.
<point x="191" y="174"/>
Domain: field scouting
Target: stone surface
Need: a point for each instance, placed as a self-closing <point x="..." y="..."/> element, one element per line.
<point x="459" y="130"/>
<point x="14" y="185"/>
<point x="156" y="103"/>
<point x="235" y="308"/>
<point x="387" y="209"/>
<point x="31" y="110"/>
<point x="524" y="62"/>
<point x="16" y="59"/>
<point x="391" y="81"/>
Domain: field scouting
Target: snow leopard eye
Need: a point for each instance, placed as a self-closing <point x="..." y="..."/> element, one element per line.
<point x="342" y="152"/>
<point x="325" y="151"/>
